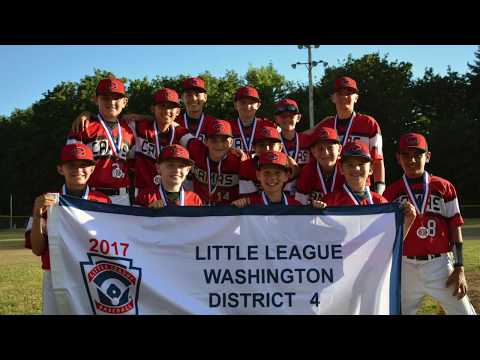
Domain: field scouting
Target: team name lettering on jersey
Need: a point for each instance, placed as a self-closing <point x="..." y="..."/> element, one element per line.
<point x="435" y="203"/>
<point x="146" y="148"/>
<point x="101" y="148"/>
<point x="303" y="156"/>
<point x="224" y="180"/>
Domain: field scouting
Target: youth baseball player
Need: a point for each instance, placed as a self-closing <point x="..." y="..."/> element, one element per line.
<point x="427" y="268"/>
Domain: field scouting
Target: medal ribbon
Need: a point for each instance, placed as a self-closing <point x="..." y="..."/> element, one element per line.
<point x="165" y="198"/>
<point x="200" y="123"/>
<point x="115" y="145"/>
<point x="219" y="169"/>
<point x="354" y="197"/>
<point x="248" y="147"/>
<point x="297" y="147"/>
<point x="267" y="202"/>
<point x="157" y="140"/>
<point x="320" y="175"/>
<point x="350" y="122"/>
<point x="426" y="189"/>
<point x="84" y="196"/>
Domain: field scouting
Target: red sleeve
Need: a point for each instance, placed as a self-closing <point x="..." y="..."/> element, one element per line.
<point x="304" y="183"/>
<point x="329" y="199"/>
<point x="196" y="200"/>
<point x="294" y="202"/>
<point x="389" y="193"/>
<point x="197" y="149"/>
<point x="145" y="197"/>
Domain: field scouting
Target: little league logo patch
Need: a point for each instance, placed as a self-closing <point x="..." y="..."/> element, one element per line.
<point x="112" y="284"/>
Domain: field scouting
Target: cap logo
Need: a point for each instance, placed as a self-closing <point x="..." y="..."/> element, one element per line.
<point x="264" y="132"/>
<point x="344" y="82"/>
<point x="272" y="157"/>
<point x="323" y="133"/>
<point x="78" y="152"/>
<point x="113" y="85"/>
<point x="412" y="140"/>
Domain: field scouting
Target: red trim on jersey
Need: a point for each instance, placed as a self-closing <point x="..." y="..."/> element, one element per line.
<point x="147" y="196"/>
<point x="96" y="138"/>
<point x="92" y="196"/>
<point x="440" y="214"/>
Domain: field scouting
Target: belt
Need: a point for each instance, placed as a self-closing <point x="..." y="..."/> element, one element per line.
<point x="112" y="191"/>
<point x="424" y="257"/>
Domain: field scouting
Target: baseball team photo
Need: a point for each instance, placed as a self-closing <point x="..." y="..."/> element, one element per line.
<point x="240" y="180"/>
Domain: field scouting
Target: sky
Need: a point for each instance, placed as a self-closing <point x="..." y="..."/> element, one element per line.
<point x="29" y="71"/>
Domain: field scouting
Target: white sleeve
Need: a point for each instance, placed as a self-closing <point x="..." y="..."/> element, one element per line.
<point x="185" y="139"/>
<point x="247" y="187"/>
<point x="302" y="198"/>
<point x="377" y="142"/>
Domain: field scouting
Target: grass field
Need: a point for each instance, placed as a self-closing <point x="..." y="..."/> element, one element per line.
<point x="21" y="276"/>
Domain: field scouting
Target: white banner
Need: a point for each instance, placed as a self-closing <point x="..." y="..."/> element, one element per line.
<point x="112" y="259"/>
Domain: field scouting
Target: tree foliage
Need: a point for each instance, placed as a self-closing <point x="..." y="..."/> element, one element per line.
<point x="444" y="108"/>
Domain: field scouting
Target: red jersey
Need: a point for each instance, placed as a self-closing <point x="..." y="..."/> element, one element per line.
<point x="299" y="150"/>
<point x="342" y="198"/>
<point x="92" y="196"/>
<point x="248" y="181"/>
<point x="111" y="170"/>
<point x="309" y="183"/>
<point x="196" y="127"/>
<point x="257" y="199"/>
<point x="147" y="196"/>
<point x="223" y="182"/>
<point x="429" y="233"/>
<point x="149" y="144"/>
<point x="245" y="142"/>
<point x="364" y="128"/>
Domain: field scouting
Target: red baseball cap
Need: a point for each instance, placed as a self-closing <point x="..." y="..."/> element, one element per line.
<point x="72" y="152"/>
<point x="166" y="95"/>
<point x="247" y="91"/>
<point x="345" y="82"/>
<point x="109" y="86"/>
<point x="277" y="158"/>
<point x="413" y="140"/>
<point x="323" y="134"/>
<point x="266" y="133"/>
<point x="219" y="127"/>
<point x="175" y="152"/>
<point x="286" y="105"/>
<point x="194" y="83"/>
<point x="355" y="148"/>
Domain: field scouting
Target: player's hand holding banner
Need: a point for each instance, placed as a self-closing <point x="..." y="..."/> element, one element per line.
<point x="111" y="259"/>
